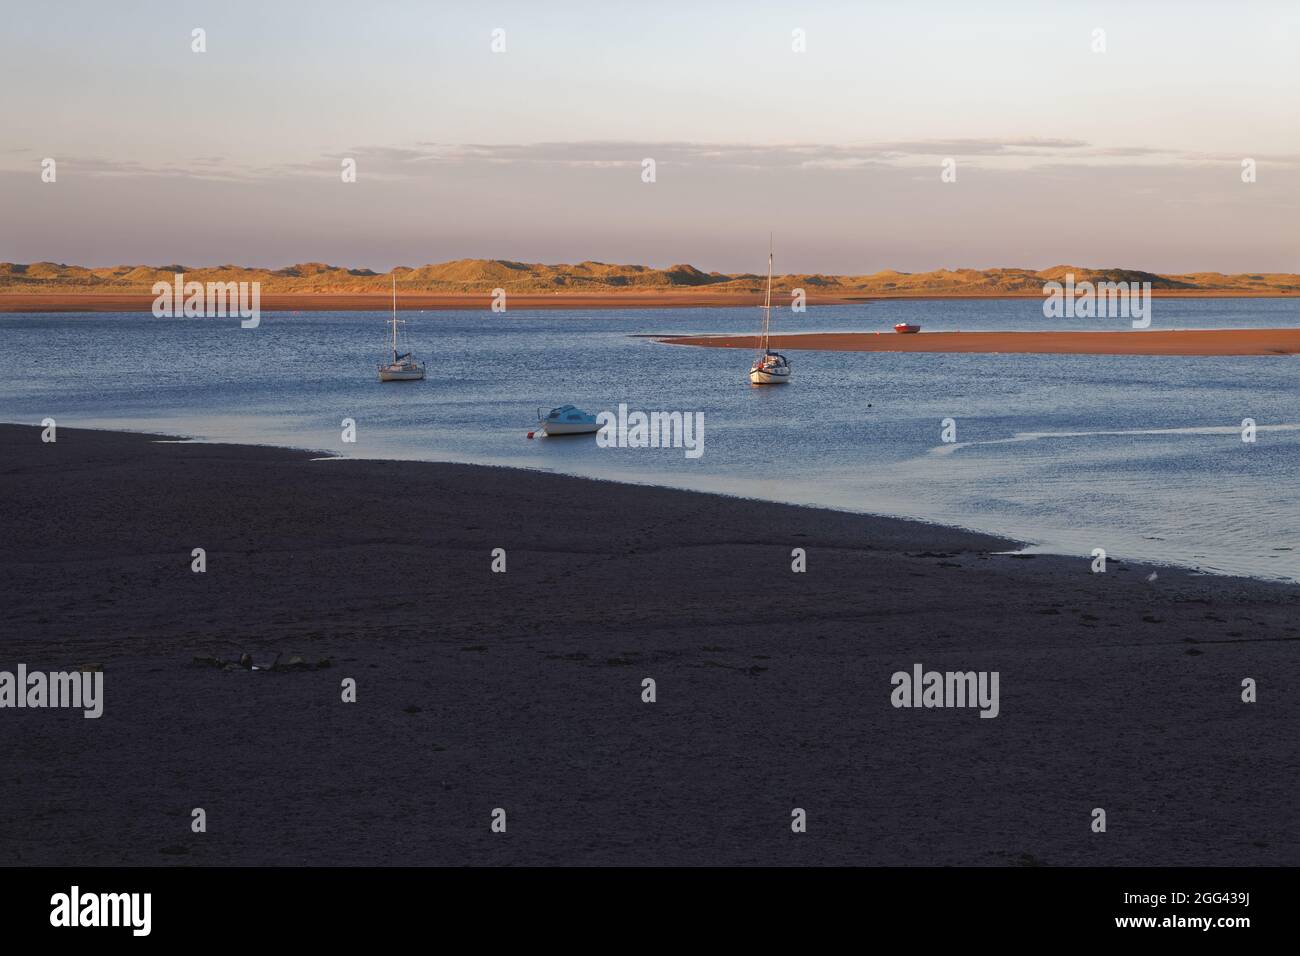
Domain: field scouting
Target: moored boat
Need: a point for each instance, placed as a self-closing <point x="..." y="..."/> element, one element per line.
<point x="772" y="368"/>
<point x="769" y="368"/>
<point x="401" y="367"/>
<point x="567" y="420"/>
<point x="904" y="328"/>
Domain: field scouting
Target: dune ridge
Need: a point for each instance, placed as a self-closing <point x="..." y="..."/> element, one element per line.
<point x="481" y="276"/>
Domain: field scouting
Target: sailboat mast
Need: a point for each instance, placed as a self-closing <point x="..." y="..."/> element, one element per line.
<point x="394" y="317"/>
<point x="767" y="302"/>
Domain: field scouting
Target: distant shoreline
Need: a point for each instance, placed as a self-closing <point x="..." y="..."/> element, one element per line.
<point x="406" y="301"/>
<point x="1124" y="342"/>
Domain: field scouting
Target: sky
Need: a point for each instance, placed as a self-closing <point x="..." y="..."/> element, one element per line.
<point x="1128" y="157"/>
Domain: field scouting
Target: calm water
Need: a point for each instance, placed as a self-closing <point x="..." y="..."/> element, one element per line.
<point x="1139" y="455"/>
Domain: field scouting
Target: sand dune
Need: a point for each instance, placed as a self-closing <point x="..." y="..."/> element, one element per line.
<point x="406" y="301"/>
<point x="478" y="277"/>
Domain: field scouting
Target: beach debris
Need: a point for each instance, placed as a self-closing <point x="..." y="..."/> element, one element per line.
<point x="245" y="662"/>
<point x="296" y="663"/>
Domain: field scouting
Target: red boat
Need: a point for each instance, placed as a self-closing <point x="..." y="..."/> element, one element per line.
<point x="904" y="328"/>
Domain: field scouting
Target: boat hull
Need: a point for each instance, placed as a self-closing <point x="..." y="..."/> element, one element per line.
<point x="561" y="428"/>
<point x="401" y="374"/>
<point x="759" y="377"/>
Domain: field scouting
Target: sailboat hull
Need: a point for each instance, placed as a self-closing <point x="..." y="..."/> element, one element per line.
<point x="401" y="374"/>
<point x="759" y="377"/>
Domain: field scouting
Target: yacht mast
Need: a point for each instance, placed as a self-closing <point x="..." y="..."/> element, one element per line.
<point x="394" y="316"/>
<point x="767" y="302"/>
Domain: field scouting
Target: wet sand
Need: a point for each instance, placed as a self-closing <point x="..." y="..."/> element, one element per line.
<point x="380" y="301"/>
<point x="1129" y="342"/>
<point x="522" y="690"/>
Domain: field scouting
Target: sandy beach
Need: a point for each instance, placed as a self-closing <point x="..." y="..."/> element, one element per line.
<point x="523" y="690"/>
<point x="378" y="302"/>
<point x="1135" y="342"/>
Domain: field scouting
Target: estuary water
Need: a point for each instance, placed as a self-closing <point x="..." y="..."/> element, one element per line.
<point x="1142" y="456"/>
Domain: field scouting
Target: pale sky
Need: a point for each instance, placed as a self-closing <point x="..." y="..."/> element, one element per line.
<point x="1130" y="157"/>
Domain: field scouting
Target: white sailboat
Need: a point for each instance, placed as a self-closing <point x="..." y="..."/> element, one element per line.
<point x="400" y="367"/>
<point x="769" y="368"/>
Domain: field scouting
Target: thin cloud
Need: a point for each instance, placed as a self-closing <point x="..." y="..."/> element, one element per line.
<point x="396" y="163"/>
